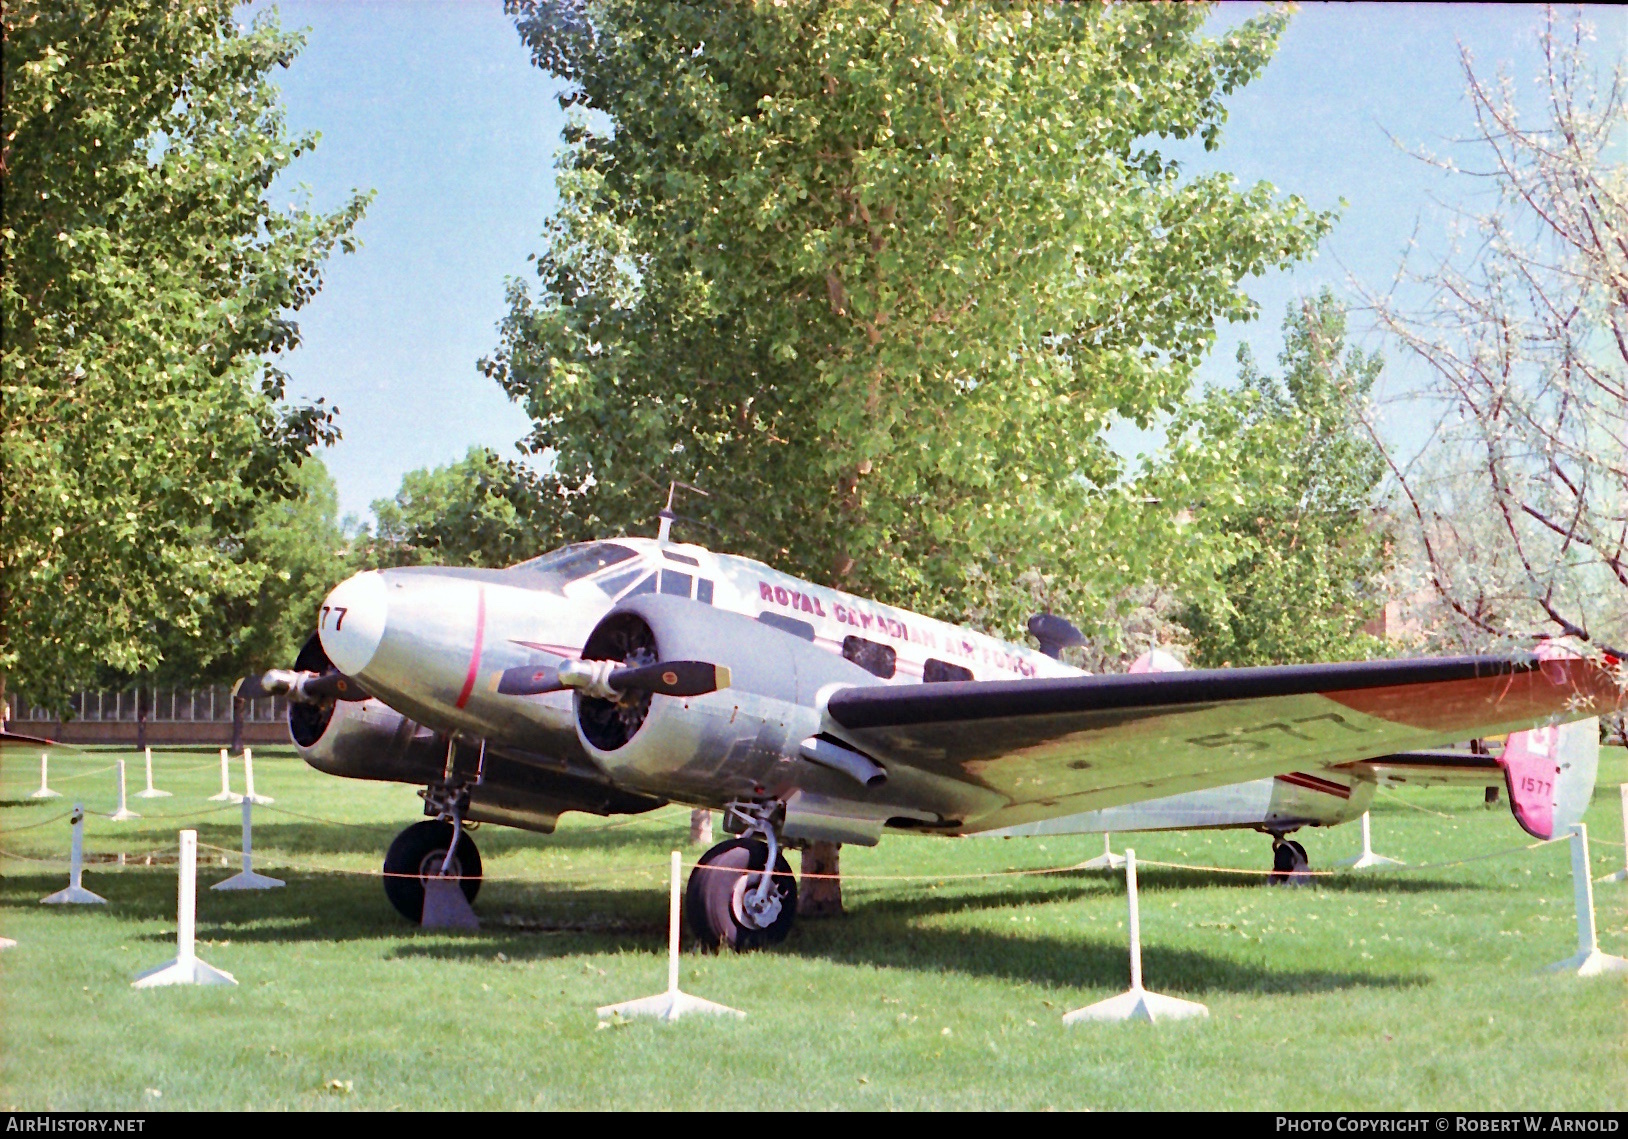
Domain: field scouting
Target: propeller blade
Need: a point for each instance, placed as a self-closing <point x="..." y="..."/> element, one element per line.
<point x="672" y="678"/>
<point x="300" y="687"/>
<point x="330" y="686"/>
<point x="529" y="680"/>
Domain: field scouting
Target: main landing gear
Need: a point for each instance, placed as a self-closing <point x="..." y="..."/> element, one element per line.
<point x="1289" y="861"/>
<point x="731" y="899"/>
<point x="419" y="853"/>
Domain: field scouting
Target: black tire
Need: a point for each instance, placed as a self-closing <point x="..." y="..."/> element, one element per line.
<point x="1305" y="859"/>
<point x="709" y="896"/>
<point x="418" y="852"/>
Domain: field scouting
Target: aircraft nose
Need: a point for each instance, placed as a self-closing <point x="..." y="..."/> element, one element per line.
<point x="351" y="621"/>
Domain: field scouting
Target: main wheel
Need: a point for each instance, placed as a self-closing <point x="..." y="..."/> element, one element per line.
<point x="416" y="854"/>
<point x="721" y="897"/>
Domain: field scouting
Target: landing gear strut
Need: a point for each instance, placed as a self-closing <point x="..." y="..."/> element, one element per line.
<point x="732" y="900"/>
<point x="1289" y="861"/>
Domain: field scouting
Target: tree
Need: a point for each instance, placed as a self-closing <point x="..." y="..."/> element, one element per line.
<point x="879" y="277"/>
<point x="306" y="553"/>
<point x="480" y="511"/>
<point x="1318" y="549"/>
<point x="1519" y="502"/>
<point x="147" y="279"/>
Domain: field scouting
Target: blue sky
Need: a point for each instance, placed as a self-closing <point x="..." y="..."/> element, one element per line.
<point x="436" y="106"/>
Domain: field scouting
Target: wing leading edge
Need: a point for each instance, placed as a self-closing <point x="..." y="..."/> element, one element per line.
<point x="1056" y="746"/>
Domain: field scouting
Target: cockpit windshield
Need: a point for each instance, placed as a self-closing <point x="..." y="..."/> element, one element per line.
<point x="572" y="562"/>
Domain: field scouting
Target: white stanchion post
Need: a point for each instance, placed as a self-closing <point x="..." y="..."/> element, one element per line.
<point x="1619" y="876"/>
<point x="248" y="779"/>
<point x="1107" y="860"/>
<point x="1368" y="860"/>
<point x="151" y="792"/>
<point x="186" y="969"/>
<point x="225" y="795"/>
<point x="1137" y="1003"/>
<point x="75" y="894"/>
<point x="45" y="791"/>
<point x="124" y="813"/>
<point x="247" y="879"/>
<point x="1588" y="961"/>
<point x="672" y="1004"/>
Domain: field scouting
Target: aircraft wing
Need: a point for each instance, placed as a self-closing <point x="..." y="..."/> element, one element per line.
<point x="1058" y="746"/>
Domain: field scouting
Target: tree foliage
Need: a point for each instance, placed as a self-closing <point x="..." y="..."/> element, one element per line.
<point x="1315" y="546"/>
<point x="1520" y="500"/>
<point x="147" y="279"/>
<point x="480" y="511"/>
<point x="879" y="277"/>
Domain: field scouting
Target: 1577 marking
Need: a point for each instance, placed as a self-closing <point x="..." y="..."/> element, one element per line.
<point x="1234" y="738"/>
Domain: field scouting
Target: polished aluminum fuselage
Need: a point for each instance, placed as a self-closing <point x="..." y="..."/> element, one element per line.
<point x="432" y="643"/>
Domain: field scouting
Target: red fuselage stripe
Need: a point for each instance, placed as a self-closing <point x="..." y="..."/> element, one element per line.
<point x="1312" y="783"/>
<point x="474" y="657"/>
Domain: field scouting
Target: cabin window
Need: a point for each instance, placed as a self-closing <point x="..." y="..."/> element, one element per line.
<point x="937" y="671"/>
<point x="788" y="625"/>
<point x="676" y="584"/>
<point x="685" y="558"/>
<point x="617" y="582"/>
<point x="703" y="591"/>
<point x="878" y="660"/>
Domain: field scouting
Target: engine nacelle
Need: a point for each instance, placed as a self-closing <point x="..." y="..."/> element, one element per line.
<point x="365" y="739"/>
<point x="739" y="742"/>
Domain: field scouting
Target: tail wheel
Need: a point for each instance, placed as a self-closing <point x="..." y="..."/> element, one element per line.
<point x="1288" y="858"/>
<point x="720" y="894"/>
<point x="418" y="853"/>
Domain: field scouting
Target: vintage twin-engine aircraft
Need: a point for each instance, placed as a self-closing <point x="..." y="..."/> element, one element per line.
<point x="613" y="677"/>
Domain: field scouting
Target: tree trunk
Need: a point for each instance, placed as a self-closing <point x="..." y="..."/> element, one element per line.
<point x="238" y="706"/>
<point x="700" y="827"/>
<point x="820" y="897"/>
<point x="141" y="718"/>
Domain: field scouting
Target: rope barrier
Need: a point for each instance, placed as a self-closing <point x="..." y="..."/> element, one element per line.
<point x="1337" y="873"/>
<point x="178" y="815"/>
<point x="86" y="774"/>
<point x="41" y="823"/>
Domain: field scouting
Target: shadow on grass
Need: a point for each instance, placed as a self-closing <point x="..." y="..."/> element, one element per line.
<point x="1071" y="963"/>
<point x="533" y="922"/>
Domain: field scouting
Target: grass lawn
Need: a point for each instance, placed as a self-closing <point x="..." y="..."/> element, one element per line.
<point x="1386" y="990"/>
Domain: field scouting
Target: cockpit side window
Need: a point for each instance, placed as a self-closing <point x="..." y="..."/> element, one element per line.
<point x="617" y="582"/>
<point x="572" y="562"/>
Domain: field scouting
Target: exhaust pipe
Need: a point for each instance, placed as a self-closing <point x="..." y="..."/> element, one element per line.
<point x="855" y="765"/>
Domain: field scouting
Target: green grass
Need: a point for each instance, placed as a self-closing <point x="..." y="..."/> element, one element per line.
<point x="1383" y="991"/>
